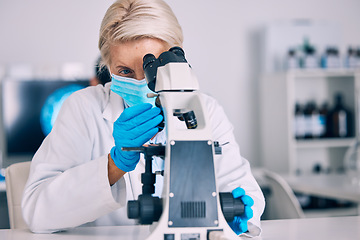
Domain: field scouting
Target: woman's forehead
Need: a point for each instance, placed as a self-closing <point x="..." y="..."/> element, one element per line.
<point x="132" y="52"/>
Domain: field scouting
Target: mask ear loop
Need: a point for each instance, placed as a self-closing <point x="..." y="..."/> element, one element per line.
<point x="111" y="74"/>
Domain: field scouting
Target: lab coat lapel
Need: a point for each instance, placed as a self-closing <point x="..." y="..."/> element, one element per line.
<point x="114" y="107"/>
<point x="112" y="111"/>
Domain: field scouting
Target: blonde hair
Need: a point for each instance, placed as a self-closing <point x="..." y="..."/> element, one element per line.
<point x="128" y="20"/>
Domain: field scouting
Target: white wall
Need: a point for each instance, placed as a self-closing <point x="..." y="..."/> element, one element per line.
<point x="221" y="43"/>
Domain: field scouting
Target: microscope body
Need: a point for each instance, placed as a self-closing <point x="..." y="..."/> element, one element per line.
<point x="191" y="207"/>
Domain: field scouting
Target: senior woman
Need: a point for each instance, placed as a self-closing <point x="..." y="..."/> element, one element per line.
<point x="80" y="176"/>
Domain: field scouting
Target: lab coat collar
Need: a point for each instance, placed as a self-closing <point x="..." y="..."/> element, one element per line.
<point x="115" y="105"/>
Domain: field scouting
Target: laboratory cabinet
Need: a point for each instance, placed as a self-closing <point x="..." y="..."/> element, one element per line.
<point x="280" y="93"/>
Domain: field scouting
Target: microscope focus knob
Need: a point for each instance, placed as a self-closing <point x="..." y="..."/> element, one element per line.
<point x="231" y="206"/>
<point x="147" y="209"/>
<point x="133" y="209"/>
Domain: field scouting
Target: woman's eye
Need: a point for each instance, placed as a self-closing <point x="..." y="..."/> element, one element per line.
<point x="125" y="72"/>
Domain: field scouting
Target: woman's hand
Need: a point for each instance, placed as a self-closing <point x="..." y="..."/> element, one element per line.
<point x="135" y="126"/>
<point x="239" y="224"/>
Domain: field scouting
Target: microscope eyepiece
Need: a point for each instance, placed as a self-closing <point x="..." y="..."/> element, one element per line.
<point x="150" y="65"/>
<point x="148" y="59"/>
<point x="178" y="51"/>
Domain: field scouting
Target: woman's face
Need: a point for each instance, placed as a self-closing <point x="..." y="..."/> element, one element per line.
<point x="126" y="59"/>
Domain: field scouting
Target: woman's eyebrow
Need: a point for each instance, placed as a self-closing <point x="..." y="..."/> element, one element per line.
<point x="122" y="66"/>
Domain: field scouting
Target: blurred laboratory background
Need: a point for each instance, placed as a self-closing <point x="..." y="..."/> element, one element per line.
<point x="287" y="74"/>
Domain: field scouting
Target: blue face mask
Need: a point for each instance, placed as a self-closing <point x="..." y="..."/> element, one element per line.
<point x="131" y="90"/>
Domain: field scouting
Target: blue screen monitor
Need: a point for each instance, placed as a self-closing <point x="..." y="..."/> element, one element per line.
<point x="29" y="108"/>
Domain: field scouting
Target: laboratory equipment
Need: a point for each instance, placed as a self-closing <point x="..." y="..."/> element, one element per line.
<point x="331" y="58"/>
<point x="292" y="60"/>
<point x="310" y="59"/>
<point x="352" y="156"/>
<point x="22" y="101"/>
<point x="323" y="115"/>
<point x="186" y="210"/>
<point x="351" y="59"/>
<point x="52" y="106"/>
<point x="299" y="122"/>
<point x="314" y="124"/>
<point x="339" y="119"/>
<point x="352" y="163"/>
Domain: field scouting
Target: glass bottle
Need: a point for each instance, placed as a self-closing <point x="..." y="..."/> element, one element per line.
<point x="352" y="158"/>
<point x="316" y="127"/>
<point x="351" y="60"/>
<point x="292" y="61"/>
<point x="339" y="119"/>
<point x="310" y="58"/>
<point x="352" y="163"/>
<point x="323" y="116"/>
<point x="299" y="122"/>
<point x="308" y="121"/>
<point x="331" y="58"/>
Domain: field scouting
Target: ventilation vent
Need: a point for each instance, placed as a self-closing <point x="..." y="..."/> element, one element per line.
<point x="193" y="209"/>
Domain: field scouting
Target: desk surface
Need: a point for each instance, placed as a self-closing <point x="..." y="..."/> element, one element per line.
<point x="325" y="185"/>
<point x="344" y="228"/>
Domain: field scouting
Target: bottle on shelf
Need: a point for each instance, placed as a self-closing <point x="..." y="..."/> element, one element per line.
<point x="292" y="61"/>
<point x="351" y="59"/>
<point x="316" y="125"/>
<point x="358" y="58"/>
<point x="323" y="115"/>
<point x="352" y="159"/>
<point x="312" y="122"/>
<point x="310" y="59"/>
<point x="352" y="163"/>
<point x="331" y="58"/>
<point x="299" y="122"/>
<point x="339" y="119"/>
<point x="307" y="121"/>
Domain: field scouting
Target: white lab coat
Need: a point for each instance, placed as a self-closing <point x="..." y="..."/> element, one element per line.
<point x="68" y="184"/>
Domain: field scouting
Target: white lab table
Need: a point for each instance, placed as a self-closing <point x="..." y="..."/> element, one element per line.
<point x="335" y="186"/>
<point x="336" y="228"/>
<point x="344" y="228"/>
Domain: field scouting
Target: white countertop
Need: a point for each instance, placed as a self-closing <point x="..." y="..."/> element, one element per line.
<point x="336" y="186"/>
<point x="344" y="228"/>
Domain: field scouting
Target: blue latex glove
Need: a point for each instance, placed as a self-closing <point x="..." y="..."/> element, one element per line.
<point x="135" y="126"/>
<point x="239" y="224"/>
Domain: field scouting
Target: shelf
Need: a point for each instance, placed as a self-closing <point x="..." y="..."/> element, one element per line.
<point x="324" y="143"/>
<point x="279" y="94"/>
<point x="332" y="212"/>
<point x="322" y="73"/>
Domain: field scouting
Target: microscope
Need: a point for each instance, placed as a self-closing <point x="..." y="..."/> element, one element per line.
<point x="190" y="208"/>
